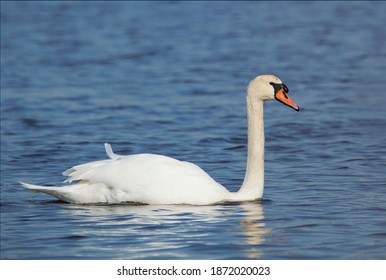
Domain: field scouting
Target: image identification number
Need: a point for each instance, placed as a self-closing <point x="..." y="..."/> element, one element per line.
<point x="229" y="270"/>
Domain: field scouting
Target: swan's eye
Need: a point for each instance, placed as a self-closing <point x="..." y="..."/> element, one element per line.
<point x="285" y="88"/>
<point x="276" y="87"/>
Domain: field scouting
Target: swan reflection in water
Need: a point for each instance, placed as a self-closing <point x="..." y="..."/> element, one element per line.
<point x="169" y="231"/>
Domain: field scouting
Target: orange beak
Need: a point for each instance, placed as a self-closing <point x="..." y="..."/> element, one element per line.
<point x="283" y="97"/>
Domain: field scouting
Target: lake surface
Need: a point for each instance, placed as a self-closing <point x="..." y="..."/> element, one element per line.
<point x="170" y="78"/>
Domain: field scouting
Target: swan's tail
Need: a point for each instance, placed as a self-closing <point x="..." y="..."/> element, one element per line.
<point x="36" y="188"/>
<point x="48" y="190"/>
<point x="83" y="191"/>
<point x="65" y="193"/>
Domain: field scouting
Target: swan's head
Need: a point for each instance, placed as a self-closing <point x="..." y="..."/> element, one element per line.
<point x="269" y="87"/>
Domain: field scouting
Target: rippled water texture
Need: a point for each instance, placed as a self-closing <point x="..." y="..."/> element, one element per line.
<point x="170" y="78"/>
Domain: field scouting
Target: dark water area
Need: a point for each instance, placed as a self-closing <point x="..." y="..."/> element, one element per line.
<point x="170" y="78"/>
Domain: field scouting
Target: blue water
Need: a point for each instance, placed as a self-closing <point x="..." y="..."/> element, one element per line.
<point x="170" y="78"/>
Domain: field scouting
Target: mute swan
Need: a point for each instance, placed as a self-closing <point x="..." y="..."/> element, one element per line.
<point x="157" y="179"/>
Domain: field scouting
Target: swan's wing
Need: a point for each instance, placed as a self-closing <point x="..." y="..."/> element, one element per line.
<point x="79" y="172"/>
<point x="152" y="179"/>
<point x="110" y="153"/>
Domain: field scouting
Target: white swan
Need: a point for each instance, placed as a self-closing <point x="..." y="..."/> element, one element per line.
<point x="157" y="179"/>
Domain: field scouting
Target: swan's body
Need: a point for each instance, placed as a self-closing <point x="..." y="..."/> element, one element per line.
<point x="157" y="179"/>
<point x="144" y="178"/>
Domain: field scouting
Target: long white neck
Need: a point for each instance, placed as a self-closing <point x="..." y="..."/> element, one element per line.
<point x="253" y="185"/>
